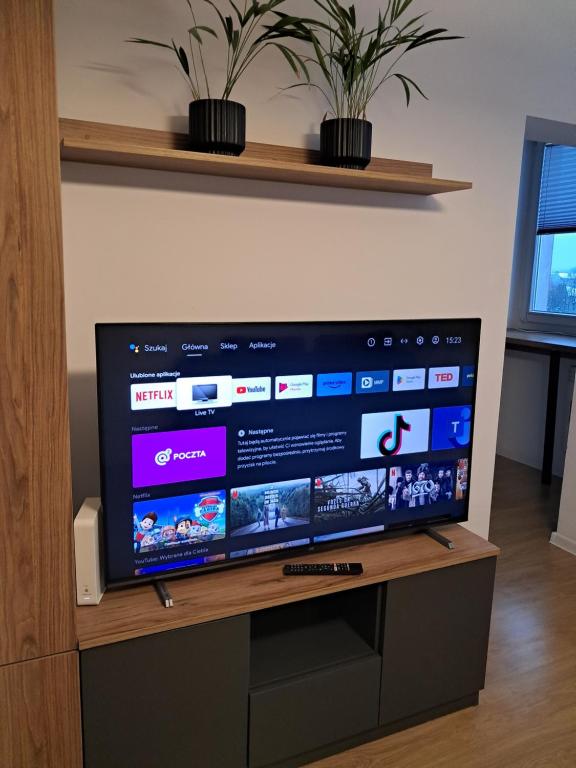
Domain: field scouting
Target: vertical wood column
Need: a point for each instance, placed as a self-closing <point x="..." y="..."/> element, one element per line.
<point x="36" y="579"/>
<point x="39" y="681"/>
<point x="39" y="707"/>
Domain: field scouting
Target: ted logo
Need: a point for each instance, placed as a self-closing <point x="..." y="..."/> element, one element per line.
<point x="442" y="378"/>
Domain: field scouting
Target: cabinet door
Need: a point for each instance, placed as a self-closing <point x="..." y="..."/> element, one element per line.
<point x="302" y="714"/>
<point x="435" y="638"/>
<point x="178" y="698"/>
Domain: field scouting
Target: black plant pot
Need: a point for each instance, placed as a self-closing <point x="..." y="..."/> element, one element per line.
<point x="217" y="126"/>
<point x="346" y="143"/>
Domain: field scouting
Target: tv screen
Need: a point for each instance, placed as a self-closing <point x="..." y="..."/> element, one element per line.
<point x="222" y="443"/>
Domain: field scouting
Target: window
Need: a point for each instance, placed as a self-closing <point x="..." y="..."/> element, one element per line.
<point x="544" y="279"/>
<point x="554" y="275"/>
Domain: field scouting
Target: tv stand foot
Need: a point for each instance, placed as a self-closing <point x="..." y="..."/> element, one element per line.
<point x="164" y="594"/>
<point x="433" y="533"/>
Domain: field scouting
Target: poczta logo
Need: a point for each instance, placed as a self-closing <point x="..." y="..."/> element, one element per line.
<point x="390" y="442"/>
<point x="163" y="457"/>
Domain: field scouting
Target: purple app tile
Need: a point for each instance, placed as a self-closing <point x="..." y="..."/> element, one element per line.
<point x="176" y="457"/>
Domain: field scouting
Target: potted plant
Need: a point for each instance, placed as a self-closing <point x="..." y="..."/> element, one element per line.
<point x="354" y="62"/>
<point x="218" y="125"/>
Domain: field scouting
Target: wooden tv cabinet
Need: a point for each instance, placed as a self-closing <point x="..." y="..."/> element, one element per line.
<point x="252" y="669"/>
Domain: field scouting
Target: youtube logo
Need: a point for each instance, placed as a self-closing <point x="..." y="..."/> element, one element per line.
<point x="252" y="389"/>
<point x="443" y="378"/>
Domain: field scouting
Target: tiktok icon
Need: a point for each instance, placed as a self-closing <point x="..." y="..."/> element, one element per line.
<point x="394" y="432"/>
<point x="390" y="442"/>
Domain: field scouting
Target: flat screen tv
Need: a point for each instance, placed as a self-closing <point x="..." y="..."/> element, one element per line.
<point x="225" y="443"/>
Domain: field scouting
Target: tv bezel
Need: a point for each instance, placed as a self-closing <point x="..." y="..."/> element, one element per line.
<point x="403" y="529"/>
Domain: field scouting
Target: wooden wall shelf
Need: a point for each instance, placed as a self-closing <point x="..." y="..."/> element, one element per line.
<point x="103" y="144"/>
<point x="136" y="611"/>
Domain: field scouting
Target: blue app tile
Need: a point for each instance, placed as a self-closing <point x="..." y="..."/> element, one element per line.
<point x="451" y="427"/>
<point x="368" y="382"/>
<point x="468" y="375"/>
<point x="329" y="384"/>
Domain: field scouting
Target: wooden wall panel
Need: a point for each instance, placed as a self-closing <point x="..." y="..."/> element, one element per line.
<point x="40" y="713"/>
<point x="36" y="578"/>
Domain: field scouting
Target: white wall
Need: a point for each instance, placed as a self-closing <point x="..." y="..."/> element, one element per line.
<point x="523" y="409"/>
<point x="155" y="246"/>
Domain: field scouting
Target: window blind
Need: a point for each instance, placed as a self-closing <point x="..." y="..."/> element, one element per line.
<point x="557" y="204"/>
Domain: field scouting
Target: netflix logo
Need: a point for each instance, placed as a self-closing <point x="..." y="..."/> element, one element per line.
<point x="145" y="397"/>
<point x="443" y="378"/>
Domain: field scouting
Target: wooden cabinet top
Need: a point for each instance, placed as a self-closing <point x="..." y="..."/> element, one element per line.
<point x="136" y="611"/>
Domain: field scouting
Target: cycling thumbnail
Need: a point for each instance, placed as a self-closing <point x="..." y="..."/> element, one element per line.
<point x="269" y="507"/>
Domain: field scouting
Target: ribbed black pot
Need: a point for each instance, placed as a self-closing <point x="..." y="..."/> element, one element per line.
<point x="217" y="126"/>
<point x="346" y="142"/>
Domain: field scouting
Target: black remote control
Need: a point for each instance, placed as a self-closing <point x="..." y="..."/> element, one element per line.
<point x="323" y="569"/>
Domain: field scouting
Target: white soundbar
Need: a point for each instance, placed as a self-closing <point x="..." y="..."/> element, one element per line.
<point x="87" y="545"/>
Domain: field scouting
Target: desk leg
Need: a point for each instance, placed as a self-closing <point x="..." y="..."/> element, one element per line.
<point x="551" y="406"/>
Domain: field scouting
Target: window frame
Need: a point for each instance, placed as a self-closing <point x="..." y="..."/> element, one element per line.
<point x="538" y="133"/>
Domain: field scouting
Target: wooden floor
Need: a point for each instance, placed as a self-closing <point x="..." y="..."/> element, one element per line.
<point x="527" y="714"/>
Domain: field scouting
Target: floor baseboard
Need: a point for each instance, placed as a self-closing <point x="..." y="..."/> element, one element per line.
<point x="563" y="542"/>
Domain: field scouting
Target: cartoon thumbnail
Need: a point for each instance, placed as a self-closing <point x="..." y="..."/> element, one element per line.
<point x="166" y="523"/>
<point x="269" y="507"/>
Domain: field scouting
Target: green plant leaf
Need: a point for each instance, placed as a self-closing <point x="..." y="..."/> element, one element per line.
<point x="288" y="56"/>
<point x="147" y="42"/>
<point x="296" y="62"/>
<point x="407" y="83"/>
<point x="182" y="58"/>
<point x="402" y="7"/>
<point x="195" y="32"/>
<point x="220" y="15"/>
<point x="236" y="11"/>
<point x="432" y="36"/>
<point x="229" y="25"/>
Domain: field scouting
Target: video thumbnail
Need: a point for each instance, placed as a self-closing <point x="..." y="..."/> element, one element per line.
<point x="172" y="522"/>
<point x="270" y="548"/>
<point x="461" y="479"/>
<point x="269" y="507"/>
<point x="419" y="485"/>
<point x="349" y="500"/>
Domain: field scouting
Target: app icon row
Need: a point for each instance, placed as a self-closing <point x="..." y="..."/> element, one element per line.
<point x="192" y="393"/>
